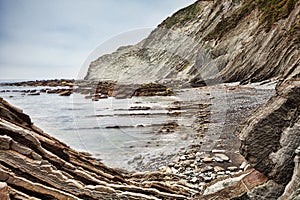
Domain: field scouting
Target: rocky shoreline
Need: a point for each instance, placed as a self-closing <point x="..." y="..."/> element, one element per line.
<point x="29" y="156"/>
<point x="94" y="90"/>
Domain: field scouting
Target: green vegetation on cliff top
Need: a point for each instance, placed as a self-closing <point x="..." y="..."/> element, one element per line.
<point x="182" y="16"/>
<point x="271" y="12"/>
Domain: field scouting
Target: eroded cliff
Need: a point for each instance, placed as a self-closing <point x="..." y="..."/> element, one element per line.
<point x="210" y="42"/>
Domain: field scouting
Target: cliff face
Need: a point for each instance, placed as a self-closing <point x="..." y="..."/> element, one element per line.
<point x="270" y="138"/>
<point x="214" y="41"/>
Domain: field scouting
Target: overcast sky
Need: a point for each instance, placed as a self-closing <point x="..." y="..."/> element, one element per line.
<point x="42" y="39"/>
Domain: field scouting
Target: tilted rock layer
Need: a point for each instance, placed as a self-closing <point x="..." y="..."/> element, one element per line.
<point x="210" y="42"/>
<point x="34" y="164"/>
<point x="271" y="136"/>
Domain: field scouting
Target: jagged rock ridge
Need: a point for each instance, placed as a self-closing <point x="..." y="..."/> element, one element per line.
<point x="35" y="165"/>
<point x="211" y="42"/>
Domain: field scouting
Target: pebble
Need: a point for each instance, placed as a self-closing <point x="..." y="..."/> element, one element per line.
<point x="198" y="154"/>
<point x="214" y="176"/>
<point x="243" y="165"/>
<point x="217" y="159"/>
<point x="221" y="173"/>
<point x="232" y="168"/>
<point x="188" y="172"/>
<point x="194" y="180"/>
<point x="187" y="162"/>
<point x="218" y="169"/>
<point x="137" y="157"/>
<point x="184" y="136"/>
<point x="207" y="169"/>
<point x="207" y="159"/>
<point x="207" y="179"/>
<point x="176" y="166"/>
<point x="218" y="151"/>
<point x="222" y="156"/>
<point x="182" y="157"/>
<point x="171" y="164"/>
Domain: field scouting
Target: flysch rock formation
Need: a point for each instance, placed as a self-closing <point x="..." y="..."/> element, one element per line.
<point x="205" y="43"/>
<point x="270" y="138"/>
<point x="34" y="165"/>
<point x="210" y="42"/>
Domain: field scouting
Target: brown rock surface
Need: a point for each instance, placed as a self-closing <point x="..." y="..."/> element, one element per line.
<point x="34" y="164"/>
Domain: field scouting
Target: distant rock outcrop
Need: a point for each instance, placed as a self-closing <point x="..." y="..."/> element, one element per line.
<point x="210" y="42"/>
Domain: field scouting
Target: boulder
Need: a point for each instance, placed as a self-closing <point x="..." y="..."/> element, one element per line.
<point x="271" y="135"/>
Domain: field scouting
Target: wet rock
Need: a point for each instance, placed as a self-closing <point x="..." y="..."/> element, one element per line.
<point x="65" y="93"/>
<point x="33" y="94"/>
<point x="152" y="89"/>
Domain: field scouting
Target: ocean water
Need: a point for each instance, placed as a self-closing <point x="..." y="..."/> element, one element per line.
<point x="113" y="130"/>
<point x="120" y="135"/>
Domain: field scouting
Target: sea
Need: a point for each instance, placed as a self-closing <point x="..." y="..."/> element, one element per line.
<point x="141" y="133"/>
<point x="115" y="131"/>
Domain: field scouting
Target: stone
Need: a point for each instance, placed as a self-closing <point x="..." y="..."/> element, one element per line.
<point x="194" y="180"/>
<point x="65" y="93"/>
<point x="243" y="165"/>
<point x="207" y="169"/>
<point x="199" y="154"/>
<point x="207" y="178"/>
<point x="232" y="168"/>
<point x="207" y="159"/>
<point x="137" y="157"/>
<point x="222" y="157"/>
<point x="273" y="157"/>
<point x="21" y="149"/>
<point x="221" y="173"/>
<point x="188" y="173"/>
<point x="35" y="164"/>
<point x="187" y="162"/>
<point x="218" y="151"/>
<point x="183" y="157"/>
<point x="217" y="159"/>
<point x="4" y="191"/>
<point x="5" y="142"/>
<point x="218" y="169"/>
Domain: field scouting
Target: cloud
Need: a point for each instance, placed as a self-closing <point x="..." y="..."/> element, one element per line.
<point x="51" y="39"/>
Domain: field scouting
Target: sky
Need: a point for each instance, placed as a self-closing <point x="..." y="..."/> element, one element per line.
<point x="43" y="39"/>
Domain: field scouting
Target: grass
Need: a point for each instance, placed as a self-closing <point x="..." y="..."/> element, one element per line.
<point x="271" y="12"/>
<point x="182" y="16"/>
<point x="295" y="32"/>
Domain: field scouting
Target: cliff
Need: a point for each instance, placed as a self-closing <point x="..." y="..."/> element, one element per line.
<point x="210" y="42"/>
<point x="206" y="43"/>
